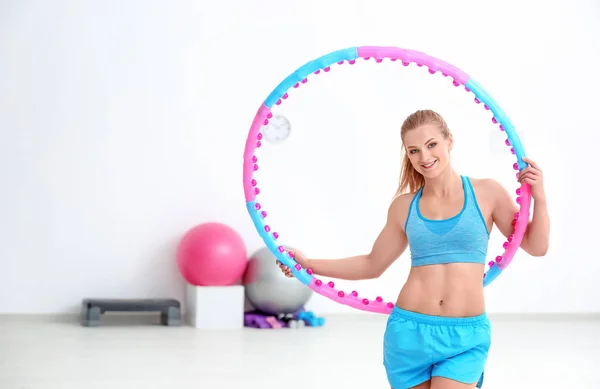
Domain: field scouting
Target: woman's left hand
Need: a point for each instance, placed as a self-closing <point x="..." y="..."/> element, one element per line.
<point x="533" y="176"/>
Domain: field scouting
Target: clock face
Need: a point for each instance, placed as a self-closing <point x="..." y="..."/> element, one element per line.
<point x="278" y="129"/>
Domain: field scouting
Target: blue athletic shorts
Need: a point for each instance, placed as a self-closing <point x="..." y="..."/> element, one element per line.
<point x="417" y="347"/>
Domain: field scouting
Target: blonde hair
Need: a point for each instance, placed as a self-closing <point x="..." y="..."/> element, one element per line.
<point x="410" y="179"/>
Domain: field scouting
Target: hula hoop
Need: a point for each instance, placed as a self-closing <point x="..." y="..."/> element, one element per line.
<point x="350" y="55"/>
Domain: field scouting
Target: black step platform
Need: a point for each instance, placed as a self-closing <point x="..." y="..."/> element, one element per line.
<point x="92" y="309"/>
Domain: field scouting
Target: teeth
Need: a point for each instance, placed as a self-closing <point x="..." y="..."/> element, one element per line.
<point x="429" y="165"/>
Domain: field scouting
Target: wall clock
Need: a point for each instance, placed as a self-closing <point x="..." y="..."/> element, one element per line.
<point x="278" y="129"/>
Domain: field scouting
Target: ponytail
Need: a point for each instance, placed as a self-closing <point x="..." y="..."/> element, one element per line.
<point x="410" y="179"/>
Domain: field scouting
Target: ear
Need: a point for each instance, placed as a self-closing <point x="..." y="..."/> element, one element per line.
<point x="450" y="142"/>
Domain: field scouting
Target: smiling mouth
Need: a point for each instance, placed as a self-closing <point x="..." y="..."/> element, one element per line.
<point x="429" y="165"/>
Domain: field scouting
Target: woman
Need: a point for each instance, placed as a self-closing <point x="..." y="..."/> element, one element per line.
<point x="438" y="335"/>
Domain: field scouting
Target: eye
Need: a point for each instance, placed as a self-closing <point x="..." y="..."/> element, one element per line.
<point x="431" y="145"/>
<point x="413" y="151"/>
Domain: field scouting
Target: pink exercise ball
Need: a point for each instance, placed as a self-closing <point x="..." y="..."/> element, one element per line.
<point x="211" y="254"/>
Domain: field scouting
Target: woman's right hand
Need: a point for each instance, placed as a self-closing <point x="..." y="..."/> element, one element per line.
<point x="299" y="257"/>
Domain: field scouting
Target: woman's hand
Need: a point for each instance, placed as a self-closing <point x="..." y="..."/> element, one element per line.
<point x="533" y="176"/>
<point x="299" y="257"/>
<point x="537" y="236"/>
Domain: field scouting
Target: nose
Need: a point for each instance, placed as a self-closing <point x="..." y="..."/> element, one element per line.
<point x="425" y="155"/>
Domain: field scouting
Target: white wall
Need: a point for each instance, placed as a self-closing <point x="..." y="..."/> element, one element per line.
<point x="123" y="124"/>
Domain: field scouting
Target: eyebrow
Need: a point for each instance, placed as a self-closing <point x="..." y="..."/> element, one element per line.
<point x="425" y="143"/>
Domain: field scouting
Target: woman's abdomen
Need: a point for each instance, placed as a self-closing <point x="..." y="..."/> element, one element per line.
<point x="454" y="289"/>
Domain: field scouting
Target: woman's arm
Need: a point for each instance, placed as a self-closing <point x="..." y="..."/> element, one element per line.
<point x="537" y="236"/>
<point x="388" y="246"/>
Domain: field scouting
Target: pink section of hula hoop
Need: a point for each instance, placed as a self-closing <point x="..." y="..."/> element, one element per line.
<point x="327" y="290"/>
<point x="251" y="144"/>
<point x="404" y="55"/>
<point x="520" y="227"/>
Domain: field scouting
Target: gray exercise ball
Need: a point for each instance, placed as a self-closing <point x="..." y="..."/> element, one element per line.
<point x="269" y="290"/>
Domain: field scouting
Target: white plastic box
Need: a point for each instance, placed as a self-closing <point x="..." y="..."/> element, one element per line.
<point x="215" y="307"/>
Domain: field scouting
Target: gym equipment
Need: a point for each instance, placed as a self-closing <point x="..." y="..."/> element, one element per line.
<point x="349" y="55"/>
<point x="215" y="307"/>
<point x="268" y="289"/>
<point x="92" y="309"/>
<point x="211" y="254"/>
<point x="257" y="319"/>
<point x="310" y="319"/>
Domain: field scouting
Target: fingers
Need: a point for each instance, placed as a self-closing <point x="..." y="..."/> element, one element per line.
<point x="286" y="270"/>
<point x="530" y="172"/>
<point x="528" y="181"/>
<point x="531" y="168"/>
<point x="532" y="163"/>
<point x="528" y="177"/>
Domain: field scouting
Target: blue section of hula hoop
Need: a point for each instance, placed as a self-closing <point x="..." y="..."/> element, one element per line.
<point x="501" y="117"/>
<point x="494" y="271"/>
<point x="305" y="70"/>
<point x="491" y="275"/>
<point x="301" y="275"/>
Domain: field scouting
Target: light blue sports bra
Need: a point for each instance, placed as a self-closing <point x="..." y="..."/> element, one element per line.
<point x="461" y="238"/>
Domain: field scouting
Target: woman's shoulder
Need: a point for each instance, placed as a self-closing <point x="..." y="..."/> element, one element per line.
<point x="486" y="187"/>
<point x="403" y="200"/>
<point x="485" y="183"/>
<point x="399" y="208"/>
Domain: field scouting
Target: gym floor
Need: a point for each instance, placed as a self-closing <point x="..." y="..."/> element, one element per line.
<point x="38" y="352"/>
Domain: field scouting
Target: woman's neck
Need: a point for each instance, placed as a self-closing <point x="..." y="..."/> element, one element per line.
<point x="447" y="184"/>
